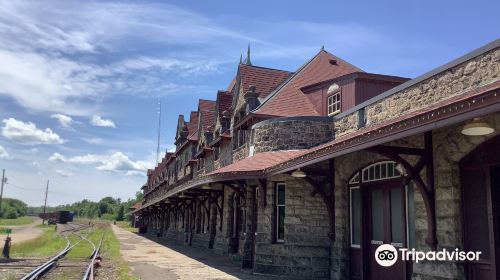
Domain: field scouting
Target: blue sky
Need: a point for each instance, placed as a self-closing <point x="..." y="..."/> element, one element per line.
<point x="80" y="80"/>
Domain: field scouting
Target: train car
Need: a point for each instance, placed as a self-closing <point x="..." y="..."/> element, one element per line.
<point x="71" y="216"/>
<point x="59" y="217"/>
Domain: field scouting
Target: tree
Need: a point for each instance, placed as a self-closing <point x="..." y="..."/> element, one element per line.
<point x="11" y="213"/>
<point x="121" y="213"/>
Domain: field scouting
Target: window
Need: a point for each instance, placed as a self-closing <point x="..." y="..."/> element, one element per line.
<point x="334" y="102"/>
<point x="355" y="209"/>
<point x="216" y="152"/>
<point x="280" y="212"/>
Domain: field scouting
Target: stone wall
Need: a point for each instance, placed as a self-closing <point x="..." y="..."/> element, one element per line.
<point x="346" y="124"/>
<point x="291" y="133"/>
<point x="240" y="152"/>
<point x="478" y="71"/>
<point x="450" y="146"/>
<point x="305" y="253"/>
<point x="221" y="237"/>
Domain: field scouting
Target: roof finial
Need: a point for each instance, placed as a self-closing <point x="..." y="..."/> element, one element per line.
<point x="241" y="58"/>
<point x="247" y="60"/>
<point x="322" y="48"/>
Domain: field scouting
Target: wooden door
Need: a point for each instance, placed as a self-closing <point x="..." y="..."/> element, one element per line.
<point x="386" y="225"/>
<point x="480" y="184"/>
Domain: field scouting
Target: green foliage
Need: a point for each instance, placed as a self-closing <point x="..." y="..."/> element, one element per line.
<point x="47" y="244"/>
<point x="13" y="208"/>
<point x="107" y="208"/>
<point x="15" y="222"/>
<point x="108" y="216"/>
<point x="121" y="213"/>
<point x="11" y="214"/>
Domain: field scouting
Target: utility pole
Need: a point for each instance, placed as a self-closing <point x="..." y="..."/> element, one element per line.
<point x="159" y="132"/>
<point x="45" y="204"/>
<point x="4" y="180"/>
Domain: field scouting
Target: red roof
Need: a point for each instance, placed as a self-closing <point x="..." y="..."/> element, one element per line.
<point x="289" y="100"/>
<point x="259" y="161"/>
<point x="206" y="105"/>
<point x="224" y="102"/>
<point x="136" y="206"/>
<point x="265" y="80"/>
<point x="193" y="122"/>
<point x="206" y="111"/>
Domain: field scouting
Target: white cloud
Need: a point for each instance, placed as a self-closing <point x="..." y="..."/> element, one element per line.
<point x="64" y="57"/>
<point x="64" y="173"/>
<point x="35" y="163"/>
<point x="114" y="162"/>
<point x="98" y="121"/>
<point x="94" y="140"/>
<point x="64" y="121"/>
<point x="3" y="153"/>
<point x="27" y="133"/>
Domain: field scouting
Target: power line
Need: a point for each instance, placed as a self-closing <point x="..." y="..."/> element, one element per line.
<point x="24" y="188"/>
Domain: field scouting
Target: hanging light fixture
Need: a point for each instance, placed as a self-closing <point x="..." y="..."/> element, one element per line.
<point x="400" y="168"/>
<point x="477" y="127"/>
<point x="205" y="187"/>
<point x="298" y="173"/>
<point x="182" y="195"/>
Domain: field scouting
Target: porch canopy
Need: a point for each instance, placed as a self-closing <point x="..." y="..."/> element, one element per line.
<point x="247" y="168"/>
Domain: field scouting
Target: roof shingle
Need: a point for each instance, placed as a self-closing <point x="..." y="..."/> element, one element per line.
<point x="289" y="100"/>
<point x="264" y="79"/>
<point x="259" y="161"/>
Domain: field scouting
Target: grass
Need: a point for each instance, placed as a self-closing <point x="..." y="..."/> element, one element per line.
<point x="50" y="243"/>
<point x="16" y="222"/>
<point x="47" y="244"/>
<point x="111" y="248"/>
<point x="126" y="226"/>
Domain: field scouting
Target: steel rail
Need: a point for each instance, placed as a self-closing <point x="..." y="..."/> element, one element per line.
<point x="89" y="272"/>
<point x="45" y="267"/>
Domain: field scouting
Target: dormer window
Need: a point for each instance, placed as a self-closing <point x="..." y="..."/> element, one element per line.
<point x="334" y="100"/>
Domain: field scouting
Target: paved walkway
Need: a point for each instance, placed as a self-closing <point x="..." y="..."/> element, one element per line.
<point x="24" y="232"/>
<point x="151" y="260"/>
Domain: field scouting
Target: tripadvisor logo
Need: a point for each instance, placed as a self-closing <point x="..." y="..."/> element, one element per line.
<point x="387" y="255"/>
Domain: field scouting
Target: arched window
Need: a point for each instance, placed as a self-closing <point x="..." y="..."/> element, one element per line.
<point x="382" y="170"/>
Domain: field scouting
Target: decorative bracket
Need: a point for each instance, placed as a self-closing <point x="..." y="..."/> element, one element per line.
<point x="326" y="189"/>
<point x="426" y="189"/>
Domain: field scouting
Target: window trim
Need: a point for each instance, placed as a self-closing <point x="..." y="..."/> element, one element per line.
<point x="332" y="95"/>
<point x="351" y="216"/>
<point x="277" y="211"/>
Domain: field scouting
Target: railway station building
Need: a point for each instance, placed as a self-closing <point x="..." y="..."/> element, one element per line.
<point x="304" y="174"/>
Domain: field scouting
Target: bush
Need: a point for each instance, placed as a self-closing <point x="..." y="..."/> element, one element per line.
<point x="11" y="214"/>
<point x="121" y="213"/>
<point x="108" y="216"/>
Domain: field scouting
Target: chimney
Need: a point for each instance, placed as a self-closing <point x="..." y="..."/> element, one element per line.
<point x="225" y="121"/>
<point x="208" y="134"/>
<point x="251" y="98"/>
<point x="184" y="133"/>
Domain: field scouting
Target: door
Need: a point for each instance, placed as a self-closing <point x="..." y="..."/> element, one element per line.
<point x="386" y="225"/>
<point x="480" y="184"/>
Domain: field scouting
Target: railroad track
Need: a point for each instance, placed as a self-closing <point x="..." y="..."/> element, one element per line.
<point x="58" y="267"/>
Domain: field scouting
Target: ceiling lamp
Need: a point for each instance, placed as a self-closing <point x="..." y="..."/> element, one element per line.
<point x="182" y="195"/>
<point x="477" y="127"/>
<point x="400" y="168"/>
<point x="298" y="173"/>
<point x="205" y="187"/>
